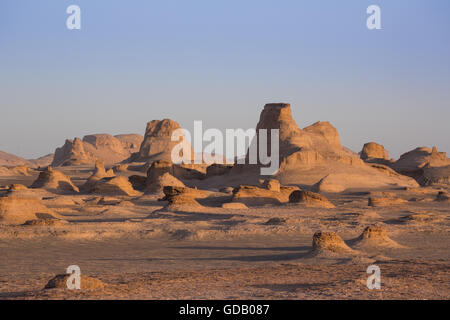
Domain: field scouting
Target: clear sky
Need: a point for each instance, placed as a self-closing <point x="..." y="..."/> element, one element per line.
<point x="221" y="61"/>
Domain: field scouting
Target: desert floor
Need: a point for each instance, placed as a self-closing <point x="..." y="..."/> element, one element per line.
<point x="142" y="251"/>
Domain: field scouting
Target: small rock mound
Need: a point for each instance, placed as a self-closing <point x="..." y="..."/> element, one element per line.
<point x="252" y="195"/>
<point x="55" y="181"/>
<point x="329" y="243"/>
<point x="86" y="283"/>
<point x="234" y="206"/>
<point x="165" y="180"/>
<point x="116" y="186"/>
<point x="385" y="201"/>
<point x="310" y="199"/>
<point x="255" y="196"/>
<point x="375" y="236"/>
<point x="100" y="171"/>
<point x="19" y="210"/>
<point x="180" y="197"/>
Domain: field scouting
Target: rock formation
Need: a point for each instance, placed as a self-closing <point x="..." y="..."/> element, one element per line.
<point x="427" y="166"/>
<point x="254" y="196"/>
<point x="98" y="174"/>
<point x="158" y="183"/>
<point x="308" y="145"/>
<point x="55" y="181"/>
<point x="179" y="171"/>
<point x="419" y="158"/>
<point x="434" y="176"/>
<point x="309" y="155"/>
<point x="114" y="186"/>
<point x="329" y="243"/>
<point x="180" y="197"/>
<point x="339" y="182"/>
<point x="18" y="210"/>
<point x="163" y="173"/>
<point x="157" y="143"/>
<point x="310" y="199"/>
<point x="272" y="185"/>
<point x="71" y="153"/>
<point x="374" y="236"/>
<point x="374" y="152"/>
<point x="103" y="147"/>
<point x="86" y="283"/>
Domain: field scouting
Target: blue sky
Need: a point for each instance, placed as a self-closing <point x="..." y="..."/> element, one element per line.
<point x="220" y="62"/>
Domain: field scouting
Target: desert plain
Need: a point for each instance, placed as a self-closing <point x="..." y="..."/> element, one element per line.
<point x="142" y="227"/>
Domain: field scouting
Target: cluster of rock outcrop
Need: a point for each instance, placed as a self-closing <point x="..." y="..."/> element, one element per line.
<point x="427" y="166"/>
<point x="104" y="147"/>
<point x="314" y="156"/>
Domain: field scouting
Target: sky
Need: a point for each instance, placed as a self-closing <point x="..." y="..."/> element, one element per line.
<point x="221" y="62"/>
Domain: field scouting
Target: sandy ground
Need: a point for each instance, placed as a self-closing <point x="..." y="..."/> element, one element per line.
<point x="141" y="251"/>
